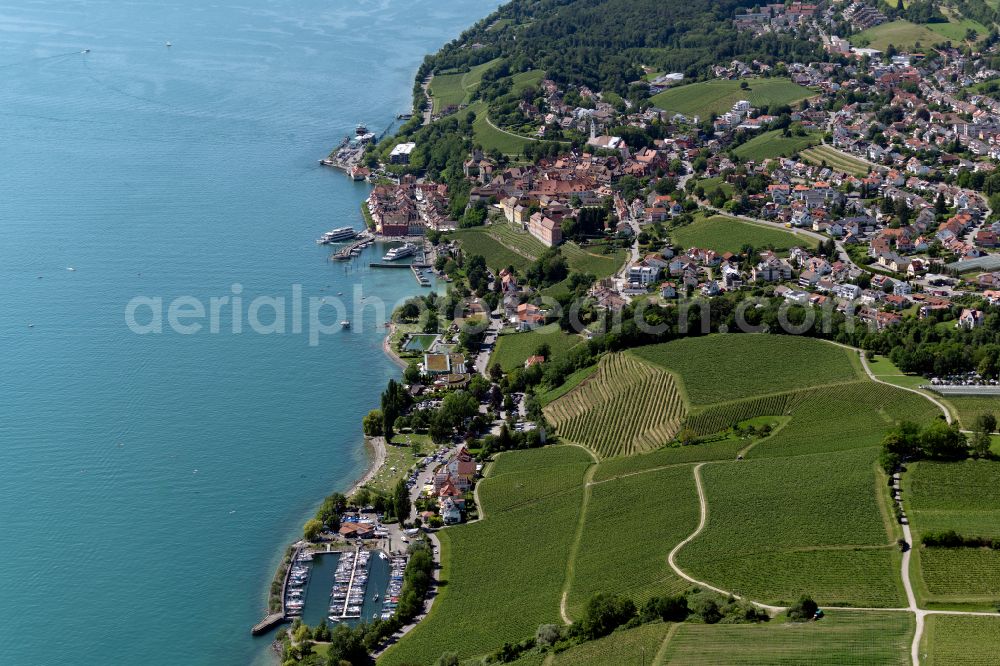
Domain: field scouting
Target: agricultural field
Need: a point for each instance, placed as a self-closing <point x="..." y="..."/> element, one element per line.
<point x="779" y="527"/>
<point x="707" y="97"/>
<point x="901" y="34"/>
<point x="964" y="497"/>
<point x="883" y="368"/>
<point x="773" y="144"/>
<point x="842" y="637"/>
<point x="968" y="407"/>
<point x="651" y="513"/>
<point x="513" y="349"/>
<point x="517" y="240"/>
<point x="723" y="449"/>
<point x="727" y="234"/>
<point x="710" y="184"/>
<point x="960" y="641"/>
<point x="474" y="76"/>
<point x="766" y="364"/>
<point x="626" y="407"/>
<point x="490" y="137"/>
<point x="502" y="580"/>
<point x="571" y="383"/>
<point x="592" y="260"/>
<point x="861" y="411"/>
<point x="632" y="647"/>
<point x="512" y="462"/>
<point x="477" y="241"/>
<point x="447" y="90"/>
<point x="834" y="159"/>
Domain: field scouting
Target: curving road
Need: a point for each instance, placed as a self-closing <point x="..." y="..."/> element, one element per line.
<point x="920" y="614"/>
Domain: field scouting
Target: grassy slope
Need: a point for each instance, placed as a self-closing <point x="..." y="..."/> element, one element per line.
<point x="835" y="160"/>
<point x="898" y="33"/>
<point x="719" y="368"/>
<point x="726" y="234"/>
<point x="513" y="349"/>
<point x="773" y="144"/>
<point x="718" y="96"/>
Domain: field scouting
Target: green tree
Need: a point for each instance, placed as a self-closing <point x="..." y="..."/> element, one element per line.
<point x="312" y="529"/>
<point x="401" y="500"/>
<point x="803" y="610"/>
<point x="371" y="424"/>
<point x="944" y="442"/>
<point x="604" y="613"/>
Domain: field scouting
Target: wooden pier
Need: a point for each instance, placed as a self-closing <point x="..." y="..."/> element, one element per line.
<point x="268" y="623"/>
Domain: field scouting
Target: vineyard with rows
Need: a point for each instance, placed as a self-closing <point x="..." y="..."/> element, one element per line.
<point x="659" y="509"/>
<point x="843" y="637"/>
<point x="626" y="407"/>
<point x="808" y="522"/>
<point x="969" y="641"/>
<point x="503" y="580"/>
<point x="721" y="417"/>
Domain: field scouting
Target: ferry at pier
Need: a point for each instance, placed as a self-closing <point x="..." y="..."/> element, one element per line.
<point x="405" y="250"/>
<point x="337" y="235"/>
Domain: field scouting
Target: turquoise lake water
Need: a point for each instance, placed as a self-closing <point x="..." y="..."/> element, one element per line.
<point x="149" y="483"/>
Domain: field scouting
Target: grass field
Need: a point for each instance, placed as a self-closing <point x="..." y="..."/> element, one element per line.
<point x="477" y="241"/>
<point x="650" y="514"/>
<point x="788" y="526"/>
<point x="727" y="234"/>
<point x="571" y="383"/>
<point x="710" y="185"/>
<point x="591" y="260"/>
<point x="773" y="144"/>
<point x="502" y="579"/>
<point x="900" y="34"/>
<point x="955" y="29"/>
<point x="513" y="349"/>
<point x="835" y="160"/>
<point x="964" y="497"/>
<point x="707" y="97"/>
<point x="842" y="637"/>
<point x="960" y="641"/>
<point x="446" y="90"/>
<point x="626" y="407"/>
<point x="883" y="368"/>
<point x="721" y="368"/>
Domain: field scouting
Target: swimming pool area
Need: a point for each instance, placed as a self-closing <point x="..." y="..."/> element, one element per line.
<point x="420" y="342"/>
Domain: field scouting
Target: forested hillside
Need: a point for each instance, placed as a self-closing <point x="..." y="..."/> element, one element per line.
<point x="600" y="43"/>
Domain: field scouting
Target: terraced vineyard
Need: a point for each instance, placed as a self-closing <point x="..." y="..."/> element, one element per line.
<point x="519" y="241"/>
<point x="626" y="407"/>
<point x="720" y="417"/>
